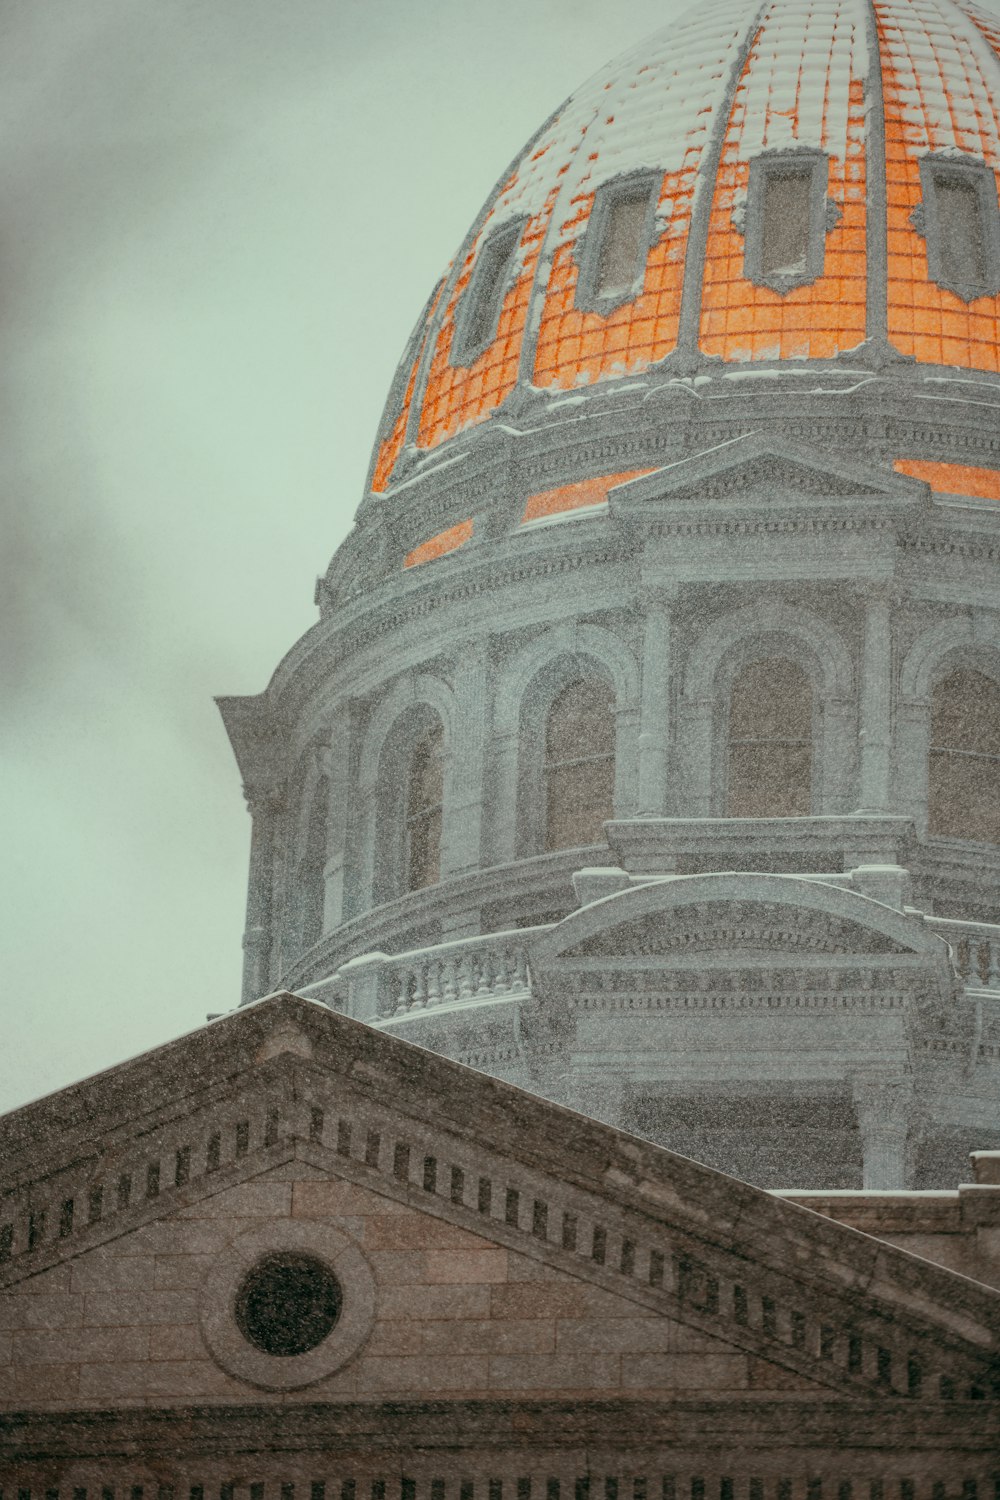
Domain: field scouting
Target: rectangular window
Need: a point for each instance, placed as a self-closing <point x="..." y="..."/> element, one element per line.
<point x="960" y="228"/>
<point x="615" y="244"/>
<point x="623" y="243"/>
<point x="958" y="217"/>
<point x="481" y="307"/>
<point x="785" y="223"/>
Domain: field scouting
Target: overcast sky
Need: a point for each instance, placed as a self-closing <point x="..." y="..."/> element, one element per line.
<point x="219" y="220"/>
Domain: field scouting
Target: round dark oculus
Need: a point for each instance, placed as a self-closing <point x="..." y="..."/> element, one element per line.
<point x="288" y="1303"/>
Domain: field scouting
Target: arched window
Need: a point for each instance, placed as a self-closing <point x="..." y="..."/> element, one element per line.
<point x="312" y="866"/>
<point x="579" y="768"/>
<point x="963" y="790"/>
<point x="424" y="806"/>
<point x="770" y="741"/>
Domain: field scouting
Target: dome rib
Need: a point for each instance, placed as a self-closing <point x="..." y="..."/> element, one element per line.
<point x="692" y="287"/>
<point x="871" y="88"/>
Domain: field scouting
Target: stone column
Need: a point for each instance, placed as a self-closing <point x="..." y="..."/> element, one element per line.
<point x="875" y="736"/>
<point x="884" y="1104"/>
<point x="337" y="765"/>
<point x="463" y="831"/>
<point x="266" y="804"/>
<point x="654" y="706"/>
<point x="695" y="758"/>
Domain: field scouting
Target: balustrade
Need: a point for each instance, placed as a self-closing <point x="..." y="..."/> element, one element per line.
<point x="490" y="968"/>
<point x="975" y="948"/>
<point x="377" y="987"/>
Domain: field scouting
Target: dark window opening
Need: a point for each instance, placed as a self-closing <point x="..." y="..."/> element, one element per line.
<point x="770" y="742"/>
<point x="480" y="314"/>
<point x="623" y="243"/>
<point x="288" y="1304"/>
<point x="785" y="223"/>
<point x="963" y="792"/>
<point x="962" y="242"/>
<point x="424" y="811"/>
<point x="579" y="765"/>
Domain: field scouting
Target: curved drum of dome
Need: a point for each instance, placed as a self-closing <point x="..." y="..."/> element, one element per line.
<point x="645" y="752"/>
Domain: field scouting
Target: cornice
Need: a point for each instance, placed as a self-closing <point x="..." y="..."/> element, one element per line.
<point x="742" y="1427"/>
<point x="770" y="1278"/>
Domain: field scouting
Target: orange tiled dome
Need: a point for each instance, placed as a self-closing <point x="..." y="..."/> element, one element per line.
<point x="868" y="99"/>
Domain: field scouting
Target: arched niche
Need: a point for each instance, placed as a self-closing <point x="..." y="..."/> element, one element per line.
<point x="547" y="671"/>
<point x="948" y="730"/>
<point x="416" y="708"/>
<point x="738" y="645"/>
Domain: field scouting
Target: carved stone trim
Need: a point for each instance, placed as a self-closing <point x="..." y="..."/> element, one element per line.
<point x="227" y="1345"/>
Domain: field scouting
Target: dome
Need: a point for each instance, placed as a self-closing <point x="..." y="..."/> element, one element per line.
<point x="646" y="750"/>
<point x="813" y="180"/>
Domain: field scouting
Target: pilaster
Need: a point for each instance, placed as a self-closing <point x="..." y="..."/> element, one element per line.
<point x="337" y="764"/>
<point x="463" y="830"/>
<point x="885" y="1106"/>
<point x="875" y="728"/>
<point x="266" y="804"/>
<point x="654" y="705"/>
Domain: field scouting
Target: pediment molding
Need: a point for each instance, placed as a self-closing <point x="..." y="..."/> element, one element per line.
<point x="768" y="1277"/>
<point x="727" y="916"/>
<point x="759" y="467"/>
<point x="756" y="930"/>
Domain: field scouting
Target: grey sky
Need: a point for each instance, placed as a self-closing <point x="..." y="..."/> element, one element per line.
<point x="220" y="220"/>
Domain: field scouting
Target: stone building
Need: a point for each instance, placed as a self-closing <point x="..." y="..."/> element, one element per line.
<point x="644" y="759"/>
<point x="291" y="1257"/>
<point x="645" y="751"/>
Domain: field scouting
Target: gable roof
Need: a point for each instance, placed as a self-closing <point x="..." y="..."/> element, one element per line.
<point x="287" y="1078"/>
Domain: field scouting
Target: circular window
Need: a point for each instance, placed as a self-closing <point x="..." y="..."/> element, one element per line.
<point x="288" y="1304"/>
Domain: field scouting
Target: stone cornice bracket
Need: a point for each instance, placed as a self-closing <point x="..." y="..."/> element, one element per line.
<point x="264" y="798"/>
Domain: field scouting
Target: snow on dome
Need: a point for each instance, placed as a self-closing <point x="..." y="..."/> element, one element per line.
<point x="853" y="105"/>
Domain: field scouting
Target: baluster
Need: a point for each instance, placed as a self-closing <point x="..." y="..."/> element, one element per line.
<point x="980" y="963"/>
<point x="501" y="984"/>
<point x="434" y="981"/>
<point x="450" y="985"/>
<point x="963" y="958"/>
<point x="519" y="984"/>
<point x="465" y="977"/>
<point x="993" y="964"/>
<point x="418" y="988"/>
<point x="485" y="964"/>
<point x="402" y="989"/>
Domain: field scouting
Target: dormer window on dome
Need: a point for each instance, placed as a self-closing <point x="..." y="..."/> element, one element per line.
<point x="959" y="219"/>
<point x="786" y="219"/>
<point x="479" y="313"/>
<point x="616" y="244"/>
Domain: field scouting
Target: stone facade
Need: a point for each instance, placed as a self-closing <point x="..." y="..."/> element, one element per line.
<point x="531" y="1299"/>
<point x="821" y="511"/>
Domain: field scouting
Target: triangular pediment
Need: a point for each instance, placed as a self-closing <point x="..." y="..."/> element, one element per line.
<point x="759" y="468"/>
<point x="286" y="1092"/>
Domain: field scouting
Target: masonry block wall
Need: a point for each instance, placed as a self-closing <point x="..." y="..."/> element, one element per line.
<point x="456" y="1315"/>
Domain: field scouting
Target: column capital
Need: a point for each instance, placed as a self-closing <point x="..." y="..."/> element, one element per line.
<point x="885" y="593"/>
<point x="883" y="1099"/>
<point x="662" y="596"/>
